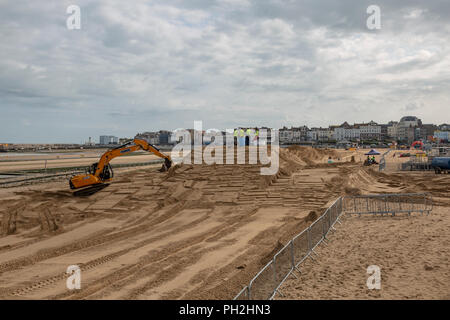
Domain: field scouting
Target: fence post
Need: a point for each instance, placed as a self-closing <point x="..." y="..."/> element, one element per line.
<point x="331" y="210"/>
<point x="308" y="233"/>
<point x="274" y="263"/>
<point x="425" y="201"/>
<point x="310" y="248"/>
<point x="367" y="204"/>
<point x="292" y="254"/>
<point x="323" y="224"/>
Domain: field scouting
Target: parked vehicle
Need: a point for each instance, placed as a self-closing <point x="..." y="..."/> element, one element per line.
<point x="441" y="165"/>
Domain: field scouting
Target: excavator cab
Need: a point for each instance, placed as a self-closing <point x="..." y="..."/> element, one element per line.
<point x="91" y="169"/>
<point x="107" y="173"/>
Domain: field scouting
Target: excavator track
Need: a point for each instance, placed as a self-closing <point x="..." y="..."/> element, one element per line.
<point x="90" y="190"/>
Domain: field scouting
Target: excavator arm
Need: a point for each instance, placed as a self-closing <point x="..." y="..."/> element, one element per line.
<point x="101" y="171"/>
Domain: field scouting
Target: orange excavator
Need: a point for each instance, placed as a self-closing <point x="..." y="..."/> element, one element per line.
<point x="101" y="172"/>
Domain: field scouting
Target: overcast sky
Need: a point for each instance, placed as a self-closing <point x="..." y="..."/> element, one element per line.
<point x="139" y="66"/>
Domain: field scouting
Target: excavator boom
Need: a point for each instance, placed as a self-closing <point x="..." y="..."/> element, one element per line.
<point x="101" y="172"/>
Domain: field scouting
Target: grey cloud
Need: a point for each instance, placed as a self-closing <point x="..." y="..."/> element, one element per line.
<point x="138" y="66"/>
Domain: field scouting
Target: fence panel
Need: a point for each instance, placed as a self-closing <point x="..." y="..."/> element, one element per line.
<point x="389" y="203"/>
<point x="301" y="247"/>
<point x="243" y="295"/>
<point x="428" y="202"/>
<point x="333" y="212"/>
<point x="376" y="204"/>
<point x="326" y="222"/>
<point x="263" y="284"/>
<point x="399" y="203"/>
<point x="339" y="207"/>
<point x="316" y="233"/>
<point x="283" y="263"/>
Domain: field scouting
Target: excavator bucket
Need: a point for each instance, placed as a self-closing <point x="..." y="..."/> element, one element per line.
<point x="166" y="165"/>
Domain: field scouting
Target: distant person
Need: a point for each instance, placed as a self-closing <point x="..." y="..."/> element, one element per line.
<point x="241" y="137"/>
<point x="255" y="140"/>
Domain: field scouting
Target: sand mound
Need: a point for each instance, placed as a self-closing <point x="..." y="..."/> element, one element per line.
<point x="311" y="155"/>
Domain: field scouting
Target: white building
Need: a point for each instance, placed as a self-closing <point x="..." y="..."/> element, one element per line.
<point x="311" y="135"/>
<point x="350" y="134"/>
<point x="286" y="135"/>
<point x="321" y="134"/>
<point x="370" y="131"/>
<point x="392" y="130"/>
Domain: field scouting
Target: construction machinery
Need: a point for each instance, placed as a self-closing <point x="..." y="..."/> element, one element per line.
<point x="441" y="165"/>
<point x="101" y="172"/>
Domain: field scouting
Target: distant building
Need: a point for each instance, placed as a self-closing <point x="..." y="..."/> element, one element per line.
<point x="392" y="129"/>
<point x="426" y="131"/>
<point x="346" y="132"/>
<point x="321" y="134"/>
<point x="124" y="140"/>
<point x="163" y="138"/>
<point x="311" y="135"/>
<point x="384" y="131"/>
<point x="410" y="121"/>
<point x="150" y="137"/>
<point x="407" y="130"/>
<point x="108" y="140"/>
<point x="369" y="131"/>
<point x="442" y="136"/>
<point x="293" y="134"/>
<point x="406" y="134"/>
<point x="286" y="135"/>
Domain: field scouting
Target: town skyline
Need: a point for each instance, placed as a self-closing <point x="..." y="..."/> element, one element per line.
<point x="118" y="139"/>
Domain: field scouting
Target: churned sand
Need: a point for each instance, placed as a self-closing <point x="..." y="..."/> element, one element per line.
<point x="197" y="231"/>
<point x="412" y="253"/>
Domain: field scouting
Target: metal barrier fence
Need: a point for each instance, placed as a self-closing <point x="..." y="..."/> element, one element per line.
<point x="382" y="165"/>
<point x="265" y="285"/>
<point x="389" y="203"/>
<point x="268" y="281"/>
